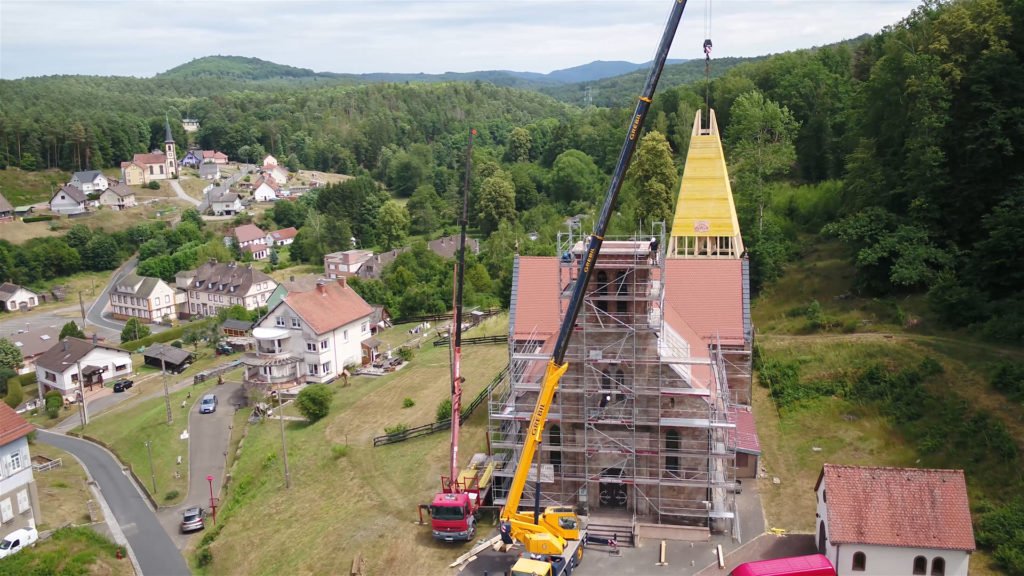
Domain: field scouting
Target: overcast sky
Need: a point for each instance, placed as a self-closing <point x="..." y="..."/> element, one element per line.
<point x="144" y="37"/>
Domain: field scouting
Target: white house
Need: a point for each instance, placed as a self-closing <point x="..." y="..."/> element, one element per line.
<point x="209" y="171"/>
<point x="68" y="200"/>
<point x="19" y="498"/>
<point x="57" y="369"/>
<point x="224" y="202"/>
<point x="309" y="336"/>
<point x="89" y="181"/>
<point x="884" y="521"/>
<point x="266" y="190"/>
<point x="269" y="162"/>
<point x="253" y="240"/>
<point x="282" y="237"/>
<point x="119" y="196"/>
<point x="347" y="263"/>
<point x="148" y="299"/>
<point x="278" y="174"/>
<point x="14" y="297"/>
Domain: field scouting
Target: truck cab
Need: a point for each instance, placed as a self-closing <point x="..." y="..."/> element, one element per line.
<point x="453" y="515"/>
<point x="17" y="541"/>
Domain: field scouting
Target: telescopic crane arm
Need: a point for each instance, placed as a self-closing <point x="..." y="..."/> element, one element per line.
<point x="538" y="535"/>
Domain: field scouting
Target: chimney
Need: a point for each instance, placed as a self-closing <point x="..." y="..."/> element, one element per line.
<point x="95" y="339"/>
<point x="65" y="344"/>
<point x="341" y="280"/>
<point x="321" y="286"/>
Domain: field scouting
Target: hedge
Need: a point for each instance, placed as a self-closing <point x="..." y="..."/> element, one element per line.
<point x="42" y="218"/>
<point x="163" y="337"/>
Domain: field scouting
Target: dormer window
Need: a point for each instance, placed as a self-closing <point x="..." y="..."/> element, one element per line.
<point x="199" y="284"/>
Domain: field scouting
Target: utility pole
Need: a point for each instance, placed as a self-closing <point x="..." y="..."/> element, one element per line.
<point x="83" y="413"/>
<point x="152" y="472"/>
<point x="81" y="306"/>
<point x="167" y="394"/>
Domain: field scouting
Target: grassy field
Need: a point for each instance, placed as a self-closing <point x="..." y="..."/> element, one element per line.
<point x="21" y="187"/>
<point x="363" y="501"/>
<point x="90" y="284"/>
<point x="63" y="492"/>
<point x="69" y="551"/>
<point x="192" y="186"/>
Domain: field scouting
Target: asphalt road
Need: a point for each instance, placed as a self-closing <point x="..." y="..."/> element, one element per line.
<point x="11" y="323"/>
<point x="209" y="437"/>
<point x="155" y="551"/>
<point x="181" y="193"/>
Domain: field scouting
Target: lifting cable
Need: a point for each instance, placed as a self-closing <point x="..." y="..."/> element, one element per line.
<point x="707" y="56"/>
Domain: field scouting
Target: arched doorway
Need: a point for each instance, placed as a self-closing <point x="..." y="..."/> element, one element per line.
<point x="613" y="494"/>
<point x="555" y="440"/>
<point x="602" y="290"/>
<point x="822" y="541"/>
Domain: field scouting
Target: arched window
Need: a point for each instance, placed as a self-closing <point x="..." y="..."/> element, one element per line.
<point x="606" y="389"/>
<point x="620" y="383"/>
<point x="672" y="444"/>
<point x="602" y="289"/>
<point x="860" y="561"/>
<point x="920" y="565"/>
<point x="822" y="537"/>
<point x="555" y="439"/>
<point x="938" y="566"/>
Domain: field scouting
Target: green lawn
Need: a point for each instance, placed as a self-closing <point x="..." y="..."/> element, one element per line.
<point x="21" y="187"/>
<point x="364" y="501"/>
<point x="63" y="492"/>
<point x="69" y="551"/>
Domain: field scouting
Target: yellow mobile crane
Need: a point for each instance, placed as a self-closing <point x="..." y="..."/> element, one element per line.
<point x="552" y="537"/>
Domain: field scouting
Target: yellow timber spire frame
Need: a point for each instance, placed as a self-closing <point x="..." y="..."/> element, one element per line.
<point x="705" y="223"/>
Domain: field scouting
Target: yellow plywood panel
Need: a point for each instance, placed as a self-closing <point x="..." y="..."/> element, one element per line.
<point x="705" y="206"/>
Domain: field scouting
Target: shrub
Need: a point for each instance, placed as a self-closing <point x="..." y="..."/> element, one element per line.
<point x="14" y="395"/>
<point x="171" y="495"/>
<point x="396" y="430"/>
<point x="176" y="344"/>
<point x="204" y="557"/>
<point x="315" y="401"/>
<point x="53" y="401"/>
<point x="408" y="403"/>
<point x="406" y="354"/>
<point x="1009" y="379"/>
<point x="339" y="450"/>
<point x="6" y="374"/>
<point x="154" y="185"/>
<point x="444" y="410"/>
<point x="44" y="218"/>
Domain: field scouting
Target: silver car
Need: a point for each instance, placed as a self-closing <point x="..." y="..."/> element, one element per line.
<point x="208" y="404"/>
<point x="192" y="519"/>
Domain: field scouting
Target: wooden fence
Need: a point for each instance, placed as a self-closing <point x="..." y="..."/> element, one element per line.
<point x="443" y="341"/>
<point x="443" y="424"/>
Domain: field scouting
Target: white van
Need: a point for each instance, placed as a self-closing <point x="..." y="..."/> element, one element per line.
<point x="17" y="540"/>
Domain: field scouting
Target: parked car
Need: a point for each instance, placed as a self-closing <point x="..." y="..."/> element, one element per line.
<point x="123" y="384"/>
<point x="17" y="541"/>
<point x="192" y="519"/>
<point x="224" y="350"/>
<point x="208" y="404"/>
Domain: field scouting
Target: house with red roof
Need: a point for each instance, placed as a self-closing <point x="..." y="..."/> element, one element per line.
<point x="250" y="238"/>
<point x="309" y="336"/>
<point x="19" y="498"/>
<point x="265" y="190"/>
<point x="282" y="237"/>
<point x="215" y="157"/>
<point x="880" y="521"/>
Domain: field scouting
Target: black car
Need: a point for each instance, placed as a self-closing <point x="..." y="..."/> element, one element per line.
<point x="122" y="385"/>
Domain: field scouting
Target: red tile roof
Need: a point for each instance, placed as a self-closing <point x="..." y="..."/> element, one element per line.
<point x="906" y="507"/>
<point x="248" y="233"/>
<point x="708" y="294"/>
<point x="151" y="158"/>
<point x="746" y="430"/>
<point x="536" y="305"/>
<point x="284" y="234"/>
<point x="329" y="306"/>
<point x="12" y="425"/>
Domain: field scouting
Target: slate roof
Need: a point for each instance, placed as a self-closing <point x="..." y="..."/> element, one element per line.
<point x="122" y="190"/>
<point x="328" y="306"/>
<point x="72" y="192"/>
<point x="59" y="357"/>
<point x="7" y="289"/>
<point x="223" y="276"/>
<point x="905" y="507"/>
<point x="448" y="245"/>
<point x="12" y="425"/>
<point x="208" y="169"/>
<point x="140" y="286"/>
<point x="168" y="354"/>
<point x="34" y="342"/>
<point x="222" y="194"/>
<point x="5" y="206"/>
<point x="232" y="324"/>
<point x="86" y="175"/>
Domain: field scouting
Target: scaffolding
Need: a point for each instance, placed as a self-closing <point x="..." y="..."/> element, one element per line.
<point x="639" y="425"/>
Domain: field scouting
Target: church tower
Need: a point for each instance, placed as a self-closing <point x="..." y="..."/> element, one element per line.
<point x="170" y="151"/>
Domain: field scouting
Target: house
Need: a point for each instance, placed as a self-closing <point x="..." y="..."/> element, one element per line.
<point x="380" y="319"/>
<point x="216" y="285"/>
<point x="309" y="336"/>
<point x="57" y="368"/>
<point x="192" y="159"/>
<point x="33" y="343"/>
<point x="148" y="299"/>
<point x="447" y="246"/>
<point x="69" y="200"/>
<point x="748" y="446"/>
<point x="269" y="162"/>
<point x="157" y="165"/>
<point x="223" y="202"/>
<point x="19" y="497"/>
<point x="877" y="520"/>
<point x="277" y="173"/>
<point x="167" y="358"/>
<point x="371" y="350"/>
<point x="303" y="283"/>
<point x="265" y="190"/>
<point x="215" y="157"/>
<point x="89" y="181"/>
<point x="251" y="239"/>
<point x="190" y="124"/>
<point x="235" y="328"/>
<point x="14" y="298"/>
<point x="119" y="196"/>
<point x="209" y="171"/>
<point x="6" y="210"/>
<point x="282" y="237"/>
<point x="347" y="263"/>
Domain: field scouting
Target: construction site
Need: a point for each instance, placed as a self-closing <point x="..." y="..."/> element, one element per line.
<point x="651" y="425"/>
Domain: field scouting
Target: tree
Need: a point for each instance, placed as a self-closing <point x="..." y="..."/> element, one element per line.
<point x="274" y="258"/>
<point x="288" y="214"/>
<point x="101" y="252"/>
<point x="392" y="224"/>
<point x="497" y="202"/>
<point x="5" y="376"/>
<point x="10" y="355"/>
<point x="53" y="401"/>
<point x="760" y="135"/>
<point x="192" y="215"/>
<point x="575" y="177"/>
<point x="71" y="329"/>
<point x="653" y="176"/>
<point x="134" y="330"/>
<point x="314" y="402"/>
<point x="423" y="209"/>
<point x="14" y="395"/>
<point x="519" y="143"/>
<point x="193" y="336"/>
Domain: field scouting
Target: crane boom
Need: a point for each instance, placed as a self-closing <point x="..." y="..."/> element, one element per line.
<point x="547" y="534"/>
<point x="455" y="338"/>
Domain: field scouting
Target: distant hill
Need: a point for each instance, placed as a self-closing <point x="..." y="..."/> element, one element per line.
<point x="237" y="67"/>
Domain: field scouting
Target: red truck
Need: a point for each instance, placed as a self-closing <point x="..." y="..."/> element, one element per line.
<point x="813" y="565"/>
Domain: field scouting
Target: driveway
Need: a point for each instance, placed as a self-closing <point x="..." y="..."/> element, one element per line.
<point x="209" y="437"/>
<point x="181" y="193"/>
<point x="155" y="552"/>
